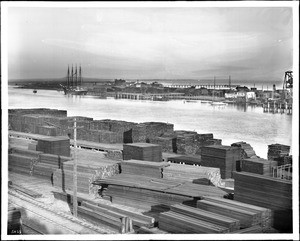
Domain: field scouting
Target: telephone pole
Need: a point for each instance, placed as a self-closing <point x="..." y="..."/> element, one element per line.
<point x="75" y="161"/>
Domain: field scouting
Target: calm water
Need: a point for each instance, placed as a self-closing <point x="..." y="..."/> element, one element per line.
<point x="229" y="123"/>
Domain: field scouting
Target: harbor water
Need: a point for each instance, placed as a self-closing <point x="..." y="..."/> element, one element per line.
<point x="230" y="123"/>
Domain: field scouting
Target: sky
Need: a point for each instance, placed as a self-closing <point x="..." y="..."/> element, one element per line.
<point x="247" y="43"/>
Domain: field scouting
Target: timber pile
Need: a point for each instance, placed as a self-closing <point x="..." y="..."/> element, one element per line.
<point x="246" y="150"/>
<point x="144" y="168"/>
<point x="267" y="192"/>
<point x="192" y="173"/>
<point x="22" y="160"/>
<point x="264" y="214"/>
<point x="48" y="164"/>
<point x="138" y="219"/>
<point x="114" y="155"/>
<point x="277" y="151"/>
<point x="174" y="222"/>
<point x="102" y="216"/>
<point x="258" y="165"/>
<point x="88" y="171"/>
<point x="142" y="151"/>
<point x="145" y="230"/>
<point x="144" y="192"/>
<point x="166" y="143"/>
<point x="54" y="145"/>
<point x="166" y="222"/>
<point x="247" y="218"/>
<point x="220" y="156"/>
<point x="189" y="160"/>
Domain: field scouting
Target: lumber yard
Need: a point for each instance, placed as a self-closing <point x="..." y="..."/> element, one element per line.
<point x="77" y="175"/>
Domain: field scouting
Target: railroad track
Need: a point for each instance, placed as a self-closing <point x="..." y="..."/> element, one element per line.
<point x="41" y="219"/>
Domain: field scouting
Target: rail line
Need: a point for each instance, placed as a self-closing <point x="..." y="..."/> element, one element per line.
<point x="89" y="228"/>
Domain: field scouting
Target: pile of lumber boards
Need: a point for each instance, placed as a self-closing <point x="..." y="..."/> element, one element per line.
<point x="54" y="145"/>
<point x="246" y="150"/>
<point x="184" y="159"/>
<point x="114" y="155"/>
<point x="142" y="151"/>
<point x="192" y="173"/>
<point x="264" y="214"/>
<point x="22" y="160"/>
<point x="48" y="164"/>
<point x="102" y="216"/>
<point x="220" y="156"/>
<point x="145" y="168"/>
<point x="144" y="192"/>
<point x="185" y="219"/>
<point x="90" y="167"/>
<point x="277" y="150"/>
<point x="268" y="192"/>
<point x="257" y="165"/>
<point x="24" y="190"/>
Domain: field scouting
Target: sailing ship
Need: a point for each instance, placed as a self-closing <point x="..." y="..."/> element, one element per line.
<point x="74" y="82"/>
<point x="214" y="102"/>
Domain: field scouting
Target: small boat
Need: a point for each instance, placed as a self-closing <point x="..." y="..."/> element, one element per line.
<point x="34" y="91"/>
<point x="218" y="103"/>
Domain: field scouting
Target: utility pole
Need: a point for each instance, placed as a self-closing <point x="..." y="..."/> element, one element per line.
<point x="75" y="203"/>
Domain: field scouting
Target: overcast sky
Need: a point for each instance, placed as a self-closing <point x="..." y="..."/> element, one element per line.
<point x="246" y="43"/>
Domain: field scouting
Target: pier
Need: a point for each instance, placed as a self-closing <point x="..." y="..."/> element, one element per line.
<point x="278" y="107"/>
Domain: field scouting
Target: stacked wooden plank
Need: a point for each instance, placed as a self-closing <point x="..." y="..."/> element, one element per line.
<point x="184" y="159"/>
<point x="178" y="223"/>
<point x="145" y="230"/>
<point x="144" y="192"/>
<point x="47" y="130"/>
<point x="202" y="218"/>
<point x="89" y="169"/>
<point x="54" y="145"/>
<point x="258" y="166"/>
<point x="264" y="214"/>
<point x="48" y="164"/>
<point x="191" y="173"/>
<point x="277" y="150"/>
<point x="166" y="143"/>
<point x="268" y="192"/>
<point x="145" y="168"/>
<point x="246" y="150"/>
<point x="22" y="160"/>
<point x="25" y="190"/>
<point x="247" y="218"/>
<point x="142" y="151"/>
<point x="102" y="216"/>
<point x="220" y="156"/>
<point x="114" y="154"/>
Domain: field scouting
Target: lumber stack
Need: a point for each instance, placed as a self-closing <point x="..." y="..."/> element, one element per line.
<point x="192" y="173"/>
<point x="246" y="150"/>
<point x="145" y="230"/>
<point x="264" y="214"/>
<point x="48" y="164"/>
<point x="47" y="130"/>
<point x="267" y="192"/>
<point x="178" y="223"/>
<point x="114" y="155"/>
<point x="206" y="222"/>
<point x="220" y="156"/>
<point x="22" y="160"/>
<point x="144" y="192"/>
<point x="88" y="171"/>
<point x="54" y="145"/>
<point x="277" y="151"/>
<point x="145" y="168"/>
<point x="102" y="216"/>
<point x="258" y="165"/>
<point x="166" y="143"/>
<point x="142" y="151"/>
<point x="184" y="159"/>
<point x="247" y="218"/>
<point x="138" y="219"/>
